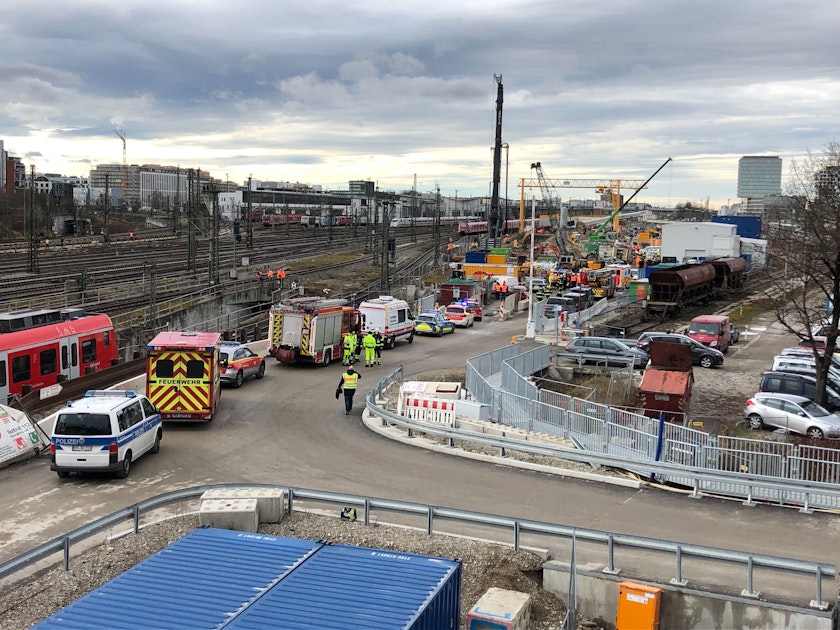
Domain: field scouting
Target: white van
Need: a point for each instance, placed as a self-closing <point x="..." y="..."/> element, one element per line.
<point x="390" y="316"/>
<point x="785" y="363"/>
<point x="104" y="432"/>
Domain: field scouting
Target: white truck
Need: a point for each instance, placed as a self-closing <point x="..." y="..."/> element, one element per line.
<point x="390" y="316"/>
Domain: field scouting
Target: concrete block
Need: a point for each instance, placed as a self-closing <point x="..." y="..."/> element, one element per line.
<point x="239" y="514"/>
<point x="270" y="501"/>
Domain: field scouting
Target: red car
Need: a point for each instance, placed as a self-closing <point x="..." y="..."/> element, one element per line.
<point x="473" y="307"/>
<point x="459" y="315"/>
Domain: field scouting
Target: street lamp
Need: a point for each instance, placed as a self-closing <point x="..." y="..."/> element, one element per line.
<point x="531" y="327"/>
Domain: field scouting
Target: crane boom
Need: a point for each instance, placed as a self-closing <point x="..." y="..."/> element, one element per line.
<point x="121" y="135"/>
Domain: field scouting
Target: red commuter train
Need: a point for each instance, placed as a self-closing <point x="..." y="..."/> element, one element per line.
<point x="42" y="347"/>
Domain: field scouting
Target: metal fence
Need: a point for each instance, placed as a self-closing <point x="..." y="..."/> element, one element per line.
<point x="434" y="519"/>
<point x="639" y="440"/>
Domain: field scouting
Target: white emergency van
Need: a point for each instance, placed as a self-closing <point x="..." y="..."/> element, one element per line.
<point x="390" y="316"/>
<point x="104" y="432"/>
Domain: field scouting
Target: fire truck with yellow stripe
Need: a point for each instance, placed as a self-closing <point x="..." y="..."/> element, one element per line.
<point x="183" y="372"/>
<point x="310" y="329"/>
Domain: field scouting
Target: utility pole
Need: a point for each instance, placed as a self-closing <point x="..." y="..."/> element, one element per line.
<point x="384" y="270"/>
<point x="33" y="228"/>
<point x="176" y="209"/>
<point x="413" y="208"/>
<point x="436" y="227"/>
<point x="213" y="279"/>
<point x="191" y="236"/>
<point x="494" y="226"/>
<point x="106" y="231"/>
<point x="249" y="236"/>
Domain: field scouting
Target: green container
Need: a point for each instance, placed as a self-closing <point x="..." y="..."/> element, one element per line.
<point x="500" y="250"/>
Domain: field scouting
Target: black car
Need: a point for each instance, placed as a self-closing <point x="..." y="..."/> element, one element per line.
<point x="798" y="385"/>
<point x="607" y="350"/>
<point x="701" y="355"/>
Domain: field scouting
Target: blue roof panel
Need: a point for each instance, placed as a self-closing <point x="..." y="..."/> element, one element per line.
<point x="199" y="581"/>
<point x="355" y="587"/>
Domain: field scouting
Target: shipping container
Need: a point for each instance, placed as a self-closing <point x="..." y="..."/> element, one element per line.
<point x="746" y="226"/>
<point x="686" y="240"/>
<point x="483" y="271"/>
<point x="215" y="578"/>
<point x="475" y="257"/>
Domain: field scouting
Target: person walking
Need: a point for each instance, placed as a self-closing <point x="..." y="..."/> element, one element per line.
<point x="357" y="345"/>
<point x="348" y="349"/>
<point x="380" y="344"/>
<point x="369" y="343"/>
<point x="348" y="383"/>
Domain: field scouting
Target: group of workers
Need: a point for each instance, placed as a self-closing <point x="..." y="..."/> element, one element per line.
<point x="500" y="290"/>
<point x="371" y="342"/>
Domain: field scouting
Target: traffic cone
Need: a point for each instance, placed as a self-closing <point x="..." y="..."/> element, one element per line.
<point x="513" y="340"/>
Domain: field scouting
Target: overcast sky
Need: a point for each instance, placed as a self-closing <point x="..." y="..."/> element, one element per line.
<point x="323" y="92"/>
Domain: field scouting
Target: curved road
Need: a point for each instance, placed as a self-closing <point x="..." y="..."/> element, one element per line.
<point x="288" y="429"/>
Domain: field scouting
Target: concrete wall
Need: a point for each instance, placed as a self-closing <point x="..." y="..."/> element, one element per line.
<point x="681" y="608"/>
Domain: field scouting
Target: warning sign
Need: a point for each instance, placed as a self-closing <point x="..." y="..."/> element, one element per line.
<point x="18" y="435"/>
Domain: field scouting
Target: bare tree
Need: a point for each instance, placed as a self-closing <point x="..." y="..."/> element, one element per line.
<point x="807" y="243"/>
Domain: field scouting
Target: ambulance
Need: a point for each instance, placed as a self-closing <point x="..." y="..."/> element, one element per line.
<point x="310" y="329"/>
<point x="183" y="375"/>
<point x="390" y="316"/>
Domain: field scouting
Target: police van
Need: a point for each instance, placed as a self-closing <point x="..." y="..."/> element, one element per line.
<point x="104" y="432"/>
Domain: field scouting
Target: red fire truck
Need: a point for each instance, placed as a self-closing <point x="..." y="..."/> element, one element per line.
<point x="310" y="329"/>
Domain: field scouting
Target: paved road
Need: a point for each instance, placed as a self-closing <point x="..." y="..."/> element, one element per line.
<point x="289" y="429"/>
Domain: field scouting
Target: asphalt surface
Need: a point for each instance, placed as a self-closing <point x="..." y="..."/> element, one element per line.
<point x="288" y="429"/>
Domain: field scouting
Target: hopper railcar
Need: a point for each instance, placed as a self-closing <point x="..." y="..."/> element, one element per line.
<point x="730" y="274"/>
<point x="673" y="288"/>
<point x="43" y="347"/>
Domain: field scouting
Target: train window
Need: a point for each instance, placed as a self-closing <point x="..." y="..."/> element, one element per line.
<point x="74" y="354"/>
<point x="20" y="369"/>
<point x="164" y="368"/>
<point x="2" y="374"/>
<point x="63" y="357"/>
<point x="89" y="351"/>
<point x="195" y="369"/>
<point x="107" y="339"/>
<point x="49" y="361"/>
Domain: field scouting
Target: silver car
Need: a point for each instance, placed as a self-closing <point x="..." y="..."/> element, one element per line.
<point x="793" y="413"/>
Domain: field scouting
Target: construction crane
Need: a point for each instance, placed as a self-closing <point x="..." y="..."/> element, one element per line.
<point x="121" y="135"/>
<point x="558" y="224"/>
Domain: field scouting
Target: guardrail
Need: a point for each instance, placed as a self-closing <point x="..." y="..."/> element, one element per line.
<point x="696" y="477"/>
<point x="432" y="517"/>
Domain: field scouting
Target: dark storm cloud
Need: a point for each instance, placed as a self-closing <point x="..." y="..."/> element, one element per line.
<point x="305" y="92"/>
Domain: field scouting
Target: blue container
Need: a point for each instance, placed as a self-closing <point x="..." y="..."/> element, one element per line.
<point x="748" y="258"/>
<point x="746" y="226"/>
<point x="475" y="257"/>
<point x="199" y="581"/>
<point x="354" y="587"/>
<point x="213" y="577"/>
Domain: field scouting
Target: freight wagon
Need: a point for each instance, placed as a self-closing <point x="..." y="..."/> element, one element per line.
<point x="672" y="288"/>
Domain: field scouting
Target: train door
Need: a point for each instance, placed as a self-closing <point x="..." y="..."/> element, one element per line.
<point x="69" y="357"/>
<point x="4" y="378"/>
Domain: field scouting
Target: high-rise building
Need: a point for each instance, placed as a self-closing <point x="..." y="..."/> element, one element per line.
<point x="759" y="178"/>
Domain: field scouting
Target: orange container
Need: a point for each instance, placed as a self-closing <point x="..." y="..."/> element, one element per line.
<point x="638" y="607"/>
<point x="496" y="259"/>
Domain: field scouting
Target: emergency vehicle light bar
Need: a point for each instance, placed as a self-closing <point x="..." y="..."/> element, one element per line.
<point x="116" y="393"/>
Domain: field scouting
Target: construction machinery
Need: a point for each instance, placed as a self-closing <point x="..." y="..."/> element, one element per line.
<point x="596" y="239"/>
<point x="558" y="223"/>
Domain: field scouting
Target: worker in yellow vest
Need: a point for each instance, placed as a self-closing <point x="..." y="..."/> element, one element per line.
<point x="348" y="348"/>
<point x="348" y="383"/>
<point x="369" y="343"/>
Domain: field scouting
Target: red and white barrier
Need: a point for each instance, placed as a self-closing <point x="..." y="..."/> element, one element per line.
<point x="429" y="409"/>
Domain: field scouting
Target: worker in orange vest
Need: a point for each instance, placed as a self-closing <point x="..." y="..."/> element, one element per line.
<point x="497" y="289"/>
<point x="504" y="288"/>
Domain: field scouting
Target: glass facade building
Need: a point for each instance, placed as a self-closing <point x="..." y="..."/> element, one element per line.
<point x="759" y="179"/>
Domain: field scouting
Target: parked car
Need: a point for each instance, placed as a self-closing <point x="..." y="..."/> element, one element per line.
<point x="701" y="355"/>
<point x="793" y="413"/>
<point x="474" y="307"/>
<point x="798" y="385"/>
<point x="433" y="323"/>
<point x="734" y="334"/>
<point x="459" y="315"/>
<point x="239" y="362"/>
<point x="607" y="350"/>
<point x="557" y="304"/>
<point x="818" y="343"/>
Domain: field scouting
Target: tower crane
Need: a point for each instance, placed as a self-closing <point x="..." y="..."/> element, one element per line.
<point x="121" y="135"/>
<point x="558" y="224"/>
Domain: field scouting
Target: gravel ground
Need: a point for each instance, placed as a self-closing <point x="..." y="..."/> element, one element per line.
<point x="484" y="565"/>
